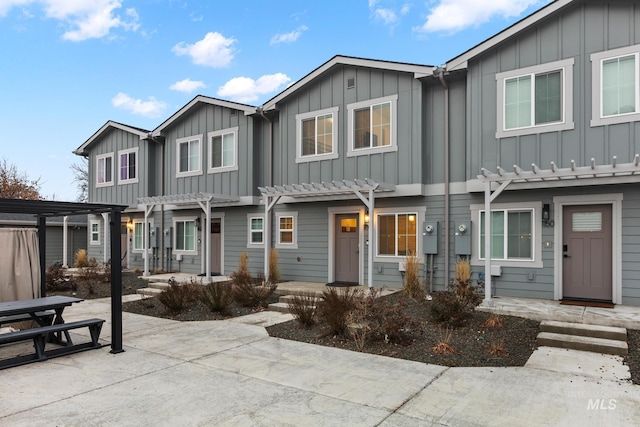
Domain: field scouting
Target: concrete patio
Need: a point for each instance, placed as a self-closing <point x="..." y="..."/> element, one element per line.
<point x="232" y="373"/>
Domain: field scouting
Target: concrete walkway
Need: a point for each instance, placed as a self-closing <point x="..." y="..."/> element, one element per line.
<point x="231" y="373"/>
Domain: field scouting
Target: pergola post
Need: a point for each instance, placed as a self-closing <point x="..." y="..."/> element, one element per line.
<point x="269" y="203"/>
<point x="487" y="243"/>
<point x="116" y="283"/>
<point x="145" y="238"/>
<point x="42" y="249"/>
<point x="65" y="241"/>
<point x="371" y="248"/>
<point x="207" y="244"/>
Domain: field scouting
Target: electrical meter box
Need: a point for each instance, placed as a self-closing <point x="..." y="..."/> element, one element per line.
<point x="168" y="235"/>
<point x="430" y="237"/>
<point x="154" y="236"/>
<point x="462" y="239"/>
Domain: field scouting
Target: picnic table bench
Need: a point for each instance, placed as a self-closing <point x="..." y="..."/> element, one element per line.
<point x="47" y="313"/>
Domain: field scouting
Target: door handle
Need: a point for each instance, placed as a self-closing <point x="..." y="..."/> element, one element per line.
<point x="566" y="256"/>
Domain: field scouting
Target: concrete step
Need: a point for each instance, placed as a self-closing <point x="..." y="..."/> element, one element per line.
<point x="577" y="342"/>
<point x="584" y="330"/>
<point x="281" y="307"/>
<point x="289" y="298"/>
<point x="150" y="292"/>
<point x="159" y="285"/>
<point x="299" y="292"/>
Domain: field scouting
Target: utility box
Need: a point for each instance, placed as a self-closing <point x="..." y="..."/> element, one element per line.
<point x="430" y="237"/>
<point x="462" y="239"/>
<point x="154" y="236"/>
<point x="168" y="237"/>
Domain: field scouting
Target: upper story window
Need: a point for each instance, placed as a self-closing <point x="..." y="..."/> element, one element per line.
<point x="372" y="126"/>
<point x="535" y="99"/>
<point x="104" y="170"/>
<point x="615" y="86"/>
<point x="317" y="135"/>
<point x="128" y="165"/>
<point x="189" y="153"/>
<point x="223" y="150"/>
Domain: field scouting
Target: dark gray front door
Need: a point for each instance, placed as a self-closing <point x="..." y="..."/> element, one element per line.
<point x="346" y="251"/>
<point x="216" y="246"/>
<point x="586" y="267"/>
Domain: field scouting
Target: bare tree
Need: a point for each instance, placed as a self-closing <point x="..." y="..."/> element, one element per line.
<point x="81" y="179"/>
<point x="17" y="185"/>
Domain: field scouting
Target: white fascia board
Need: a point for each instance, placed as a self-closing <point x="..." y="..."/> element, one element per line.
<point x="110" y="124"/>
<point x="246" y="109"/>
<point x="418" y="71"/>
<point x="460" y="62"/>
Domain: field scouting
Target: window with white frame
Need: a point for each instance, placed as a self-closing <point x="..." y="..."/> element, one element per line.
<point x="535" y="99"/>
<point x="615" y="86"/>
<point x="516" y="234"/>
<point x="223" y="150"/>
<point x="189" y="152"/>
<point x="317" y="135"/>
<point x="184" y="235"/>
<point x="372" y="126"/>
<point x="397" y="234"/>
<point x="128" y="165"/>
<point x="94" y="231"/>
<point x="138" y="236"/>
<point x="104" y="170"/>
<point x="287" y="233"/>
<point x="256" y="230"/>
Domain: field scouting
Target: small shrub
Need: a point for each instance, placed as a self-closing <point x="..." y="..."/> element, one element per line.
<point x="274" y="270"/>
<point x="411" y="284"/>
<point x="176" y="297"/>
<point x="252" y="295"/>
<point x="82" y="259"/>
<point x="497" y="349"/>
<point x="304" y="309"/>
<point x="447" y="307"/>
<point x="218" y="296"/>
<point x="242" y="276"/>
<point x="57" y="279"/>
<point x="493" y="321"/>
<point x="359" y="323"/>
<point x="336" y="305"/>
<point x="444" y="346"/>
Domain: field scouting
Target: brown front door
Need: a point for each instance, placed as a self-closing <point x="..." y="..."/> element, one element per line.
<point x="586" y="251"/>
<point x="346" y="251"/>
<point x="216" y="247"/>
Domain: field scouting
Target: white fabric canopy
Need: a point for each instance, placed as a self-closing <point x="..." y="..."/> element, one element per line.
<point x="19" y="264"/>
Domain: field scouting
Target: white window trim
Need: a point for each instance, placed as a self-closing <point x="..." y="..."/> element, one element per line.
<point x="249" y="218"/>
<point x="294" y="244"/>
<point x="536" y="234"/>
<point x="180" y="141"/>
<point x="106" y="183"/>
<point x="91" y="224"/>
<point x="566" y="66"/>
<point x="197" y="235"/>
<point x="420" y="215"/>
<point x="351" y="152"/>
<point x="133" y="234"/>
<point x="132" y="180"/>
<point x="210" y="135"/>
<point x="596" y="86"/>
<point x="334" y="138"/>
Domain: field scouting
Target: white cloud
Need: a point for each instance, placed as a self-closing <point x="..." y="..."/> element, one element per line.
<point x="289" y="37"/>
<point x="388" y="11"/>
<point x="187" y="85"/>
<point x="214" y="50"/>
<point x="456" y="15"/>
<point x="151" y="108"/>
<point x="246" y="90"/>
<point x="85" y="19"/>
<point x="387" y="16"/>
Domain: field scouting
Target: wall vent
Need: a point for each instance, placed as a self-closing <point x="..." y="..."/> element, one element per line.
<point x="351" y="83"/>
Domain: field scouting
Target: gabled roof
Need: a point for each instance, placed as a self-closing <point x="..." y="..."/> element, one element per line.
<point x="417" y="70"/>
<point x="246" y="109"/>
<point x="460" y="62"/>
<point x="142" y="133"/>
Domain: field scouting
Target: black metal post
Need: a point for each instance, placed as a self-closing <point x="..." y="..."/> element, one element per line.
<point x="116" y="282"/>
<point x="42" y="248"/>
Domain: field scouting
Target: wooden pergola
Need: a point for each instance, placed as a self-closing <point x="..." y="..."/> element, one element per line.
<point x="43" y="209"/>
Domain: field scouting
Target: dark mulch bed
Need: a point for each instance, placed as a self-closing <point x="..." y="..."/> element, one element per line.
<point x="98" y="289"/>
<point x="633" y="358"/>
<point x="472" y="342"/>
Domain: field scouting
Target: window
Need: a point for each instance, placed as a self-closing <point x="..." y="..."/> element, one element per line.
<point x="189" y="151"/>
<point x="223" y="150"/>
<point x="397" y="234"/>
<point x="185" y="235"/>
<point x="372" y="126"/>
<point x="535" y="99"/>
<point x="104" y="170"/>
<point x="138" y="236"/>
<point x="317" y="135"/>
<point x="94" y="230"/>
<point x="615" y="86"/>
<point x="256" y="230"/>
<point x="286" y="229"/>
<point x="128" y="165"/>
<point x="516" y="234"/>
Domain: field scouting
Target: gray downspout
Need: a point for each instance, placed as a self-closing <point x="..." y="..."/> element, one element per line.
<point x="267" y="212"/>
<point x="162" y="185"/>
<point x="270" y="146"/>
<point x="446" y="175"/>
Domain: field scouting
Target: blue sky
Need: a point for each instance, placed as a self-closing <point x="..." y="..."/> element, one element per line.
<point x="69" y="66"/>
